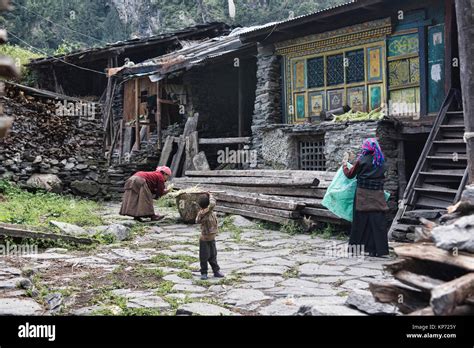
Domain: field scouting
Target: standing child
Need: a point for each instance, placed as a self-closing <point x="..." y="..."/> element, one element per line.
<point x="207" y="243"/>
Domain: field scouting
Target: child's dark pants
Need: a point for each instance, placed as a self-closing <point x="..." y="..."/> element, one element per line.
<point x="208" y="253"/>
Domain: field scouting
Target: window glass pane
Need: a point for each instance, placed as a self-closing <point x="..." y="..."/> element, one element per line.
<point x="355" y="71"/>
<point x="335" y="70"/>
<point x="316" y="72"/>
<point x="399" y="72"/>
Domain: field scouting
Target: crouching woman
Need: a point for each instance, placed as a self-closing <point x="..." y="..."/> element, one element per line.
<point x="140" y="190"/>
<point x="369" y="225"/>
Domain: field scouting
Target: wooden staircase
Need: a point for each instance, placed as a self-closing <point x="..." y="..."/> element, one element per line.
<point x="440" y="174"/>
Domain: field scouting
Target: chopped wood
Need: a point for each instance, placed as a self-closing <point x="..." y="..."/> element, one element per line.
<point x="260" y="200"/>
<point x="320" y="212"/>
<point x="431" y="253"/>
<point x="445" y="297"/>
<point x="458" y="311"/>
<point x="254" y="214"/>
<point x="27" y="232"/>
<point x="267" y="211"/>
<point x="166" y="152"/>
<point x="236" y="181"/>
<point x="323" y="176"/>
<point x="225" y="141"/>
<point x="405" y="298"/>
<point x="421" y="282"/>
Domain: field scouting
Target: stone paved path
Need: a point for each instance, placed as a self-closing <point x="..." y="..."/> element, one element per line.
<point x="156" y="273"/>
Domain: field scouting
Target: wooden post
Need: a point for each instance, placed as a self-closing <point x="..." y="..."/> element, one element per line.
<point x="241" y="100"/>
<point x="137" y="116"/>
<point x="448" y="37"/>
<point x="402" y="179"/>
<point x="158" y="113"/>
<point x="465" y="20"/>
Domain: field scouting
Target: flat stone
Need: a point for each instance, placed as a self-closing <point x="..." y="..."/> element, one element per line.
<point x="302" y="283"/>
<point x="332" y="280"/>
<point x="240" y="221"/>
<point x="314" y="269"/>
<point x="242" y="297"/>
<point x="177" y="280"/>
<point x="117" y="231"/>
<point x="284" y="307"/>
<point x="328" y="310"/>
<point x="278" y="261"/>
<point x="264" y="284"/>
<point x="132" y="254"/>
<point x="70" y="229"/>
<point x="142" y="299"/>
<point x="11" y="283"/>
<point x="258" y="279"/>
<point x="363" y="272"/>
<point x="10" y="271"/>
<point x="267" y="254"/>
<point x="300" y="291"/>
<point x="19" y="307"/>
<point x="265" y="270"/>
<point x="48" y="256"/>
<point x="91" y="261"/>
<point x="365" y="302"/>
<point x="355" y="284"/>
<point x="277" y="242"/>
<point x="188" y="288"/>
<point x="203" y="309"/>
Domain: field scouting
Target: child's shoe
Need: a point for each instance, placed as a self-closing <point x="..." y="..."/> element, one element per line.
<point x="218" y="275"/>
<point x="203" y="276"/>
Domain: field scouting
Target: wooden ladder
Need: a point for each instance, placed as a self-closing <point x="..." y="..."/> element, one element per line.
<point x="440" y="174"/>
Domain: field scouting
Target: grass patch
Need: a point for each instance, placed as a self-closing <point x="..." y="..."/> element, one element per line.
<point x="267" y="225"/>
<point x="330" y="232"/>
<point x="38" y="209"/>
<point x="166" y="202"/>
<point x="185" y="275"/>
<point x="164" y="288"/>
<point x="291" y="273"/>
<point x="175" y="261"/>
<point x="228" y="226"/>
<point x="149" y="272"/>
<point x="292" y="228"/>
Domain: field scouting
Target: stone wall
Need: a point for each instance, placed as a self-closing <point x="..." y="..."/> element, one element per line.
<point x="43" y="142"/>
<point x="268" y="96"/>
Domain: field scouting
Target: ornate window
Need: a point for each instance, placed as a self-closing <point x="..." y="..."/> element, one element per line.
<point x="316" y="72"/>
<point x="355" y="71"/>
<point x="335" y="70"/>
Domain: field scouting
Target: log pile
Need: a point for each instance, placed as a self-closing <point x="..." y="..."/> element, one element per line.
<point x="280" y="196"/>
<point x="435" y="275"/>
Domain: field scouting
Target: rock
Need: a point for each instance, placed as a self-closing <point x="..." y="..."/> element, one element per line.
<point x="48" y="182"/>
<point x="459" y="235"/>
<point x="69" y="229"/>
<point x="265" y="270"/>
<point x="281" y="307"/>
<point x="313" y="269"/>
<point x="243" y="297"/>
<point x="9" y="283"/>
<point x="25" y="283"/>
<point x="117" y="231"/>
<point x="38" y="159"/>
<point x="81" y="166"/>
<point x="54" y="301"/>
<point x="240" y="221"/>
<point x="69" y="166"/>
<point x="325" y="310"/>
<point x="142" y="299"/>
<point x="201" y="308"/>
<point x="54" y="162"/>
<point x="87" y="188"/>
<point x="365" y="302"/>
<point x="19" y="307"/>
<point x="363" y="272"/>
<point x="188" y="288"/>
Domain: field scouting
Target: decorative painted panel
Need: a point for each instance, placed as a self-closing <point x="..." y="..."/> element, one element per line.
<point x="356" y="98"/>
<point x="335" y="70"/>
<point x="436" y="67"/>
<point x="335" y="99"/>
<point x="399" y="72"/>
<point x="317" y="103"/>
<point x="300" y="107"/>
<point x="405" y="101"/>
<point x="403" y="45"/>
<point x="355" y="71"/>
<point x="299" y="74"/>
<point x="415" y="70"/>
<point x="316" y="72"/>
<point x="375" y="96"/>
<point x="374" y="63"/>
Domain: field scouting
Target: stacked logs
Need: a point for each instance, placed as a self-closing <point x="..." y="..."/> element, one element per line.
<point x="280" y="196"/>
<point x="435" y="275"/>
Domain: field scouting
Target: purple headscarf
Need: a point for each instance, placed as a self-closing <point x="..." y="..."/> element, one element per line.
<point x="371" y="147"/>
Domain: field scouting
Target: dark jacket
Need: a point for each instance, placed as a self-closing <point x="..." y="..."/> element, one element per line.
<point x="370" y="195"/>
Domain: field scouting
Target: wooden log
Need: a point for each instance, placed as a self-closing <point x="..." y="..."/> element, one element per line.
<point x="445" y="297"/>
<point x="263" y="210"/>
<point x="243" y="182"/>
<point x="275" y="191"/>
<point x="429" y="252"/>
<point x="259" y="200"/>
<point x="405" y="298"/>
<point x="190" y="127"/>
<point x="323" y="176"/>
<point x="192" y="149"/>
<point x="458" y="311"/>
<point x="421" y="282"/>
<point x="224" y="141"/>
<point x="431" y="269"/>
<point x="25" y="232"/>
<point x="254" y="214"/>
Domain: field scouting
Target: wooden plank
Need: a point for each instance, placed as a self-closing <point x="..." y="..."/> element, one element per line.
<point x="263" y="210"/>
<point x="158" y="115"/>
<point x="254" y="214"/>
<point x="166" y="152"/>
<point x="137" y="116"/>
<point x="323" y="176"/>
<point x="422" y="282"/>
<point x="445" y="297"/>
<point x="190" y="127"/>
<point x="237" y="181"/>
<point x="275" y="191"/>
<point x="24" y="232"/>
<point x="430" y="252"/>
<point x="320" y="213"/>
<point x="191" y="150"/>
<point x="259" y="200"/>
<point x="225" y="141"/>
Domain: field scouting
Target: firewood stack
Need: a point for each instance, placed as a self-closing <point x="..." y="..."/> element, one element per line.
<point x="280" y="196"/>
<point x="8" y="70"/>
<point x="435" y="275"/>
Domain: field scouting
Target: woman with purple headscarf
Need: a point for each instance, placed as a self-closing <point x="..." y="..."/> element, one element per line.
<point x="369" y="226"/>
